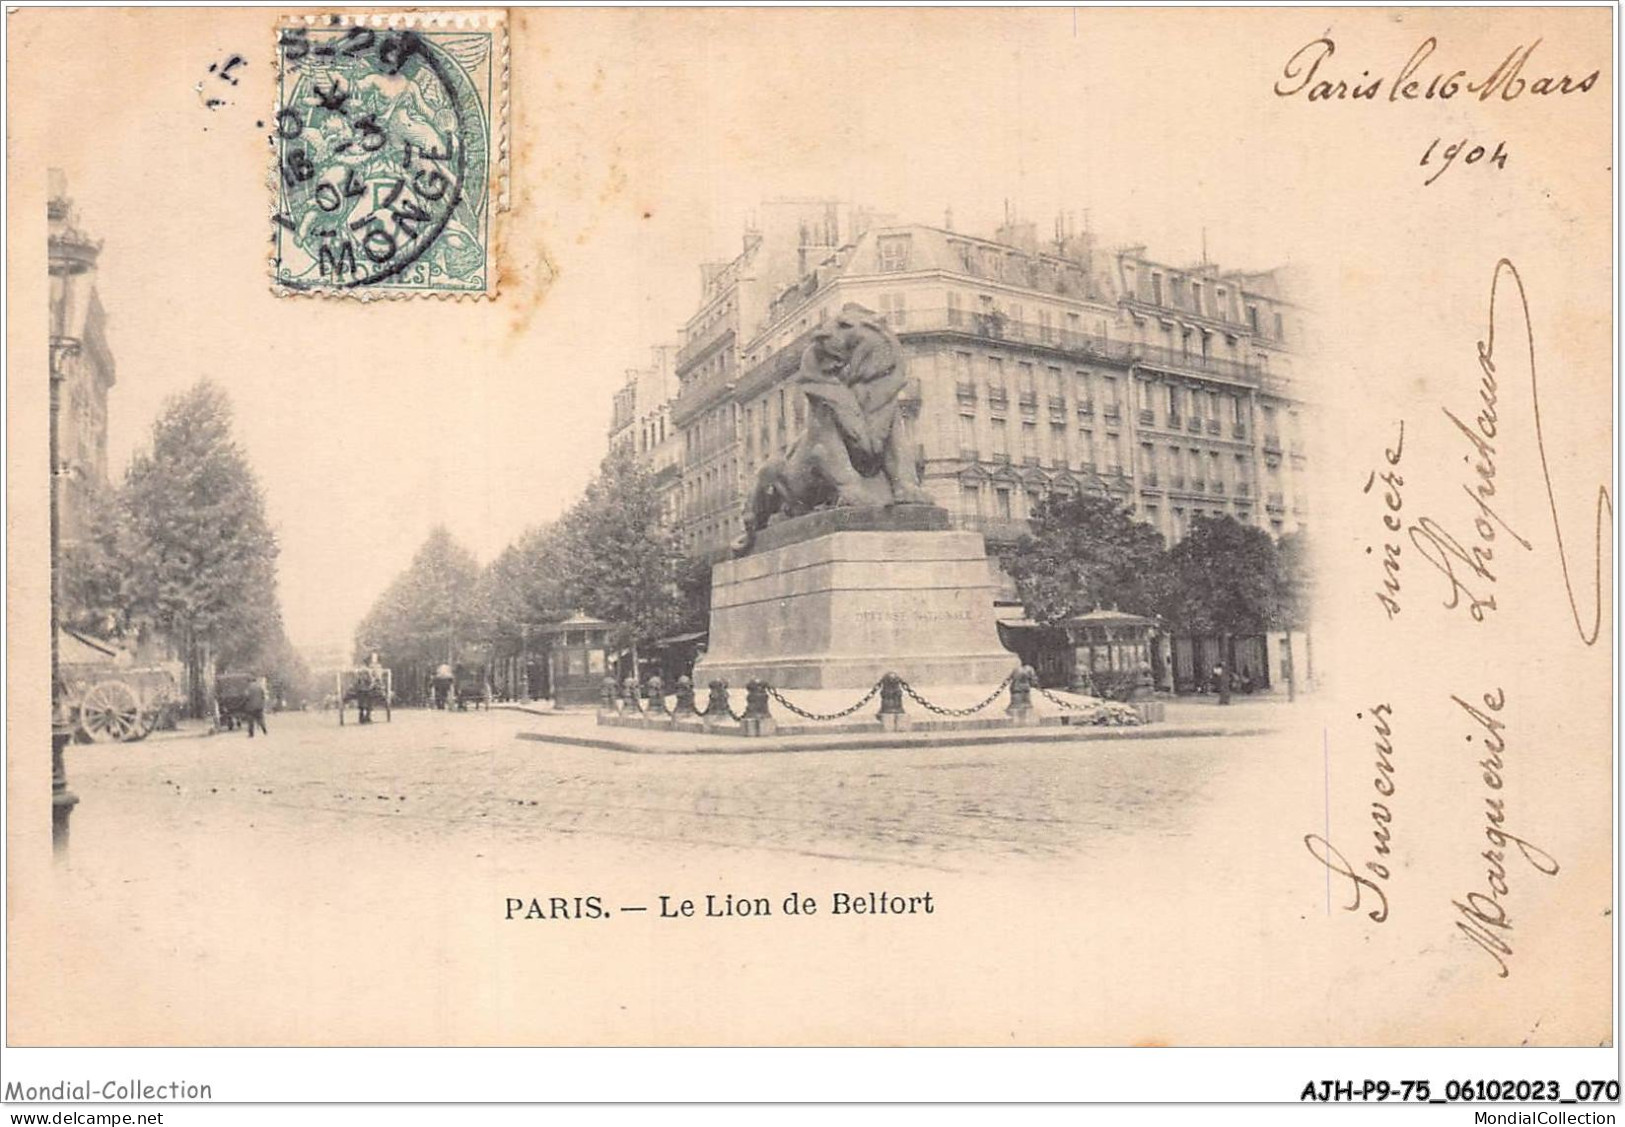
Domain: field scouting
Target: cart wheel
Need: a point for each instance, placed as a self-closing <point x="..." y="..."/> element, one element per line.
<point x="111" y="712"/>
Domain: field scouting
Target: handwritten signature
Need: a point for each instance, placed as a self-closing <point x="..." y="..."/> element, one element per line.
<point x="1485" y="919"/>
<point x="1476" y="560"/>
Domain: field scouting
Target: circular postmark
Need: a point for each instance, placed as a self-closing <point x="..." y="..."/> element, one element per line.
<point x="382" y="159"/>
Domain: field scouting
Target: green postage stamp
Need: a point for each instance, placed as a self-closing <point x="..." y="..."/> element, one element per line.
<point x="391" y="149"/>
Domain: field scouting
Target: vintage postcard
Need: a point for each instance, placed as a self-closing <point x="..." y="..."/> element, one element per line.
<point x="942" y="527"/>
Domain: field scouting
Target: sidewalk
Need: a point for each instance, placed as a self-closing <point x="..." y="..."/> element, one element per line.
<point x="580" y="728"/>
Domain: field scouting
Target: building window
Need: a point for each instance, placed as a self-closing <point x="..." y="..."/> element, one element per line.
<point x="1057" y="388"/>
<point x="1156" y="289"/>
<point x="1081" y="389"/>
<point x="1029" y="443"/>
<point x="970" y="500"/>
<point x="1002" y="500"/>
<point x="967" y="436"/>
<point x="1252" y="317"/>
<point x="955" y="314"/>
<point x="1196" y="298"/>
<point x="1024" y="371"/>
<point x="1086" y="450"/>
<point x="1280" y="328"/>
<point x="1057" y="444"/>
<point x="893" y="253"/>
<point x="894" y="306"/>
<point x="1018" y="317"/>
<point x="1001" y="440"/>
<point x="995" y="372"/>
<point x="1046" y="326"/>
<point x="1111" y="391"/>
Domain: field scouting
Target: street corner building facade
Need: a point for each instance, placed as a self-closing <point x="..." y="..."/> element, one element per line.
<point x="1035" y="366"/>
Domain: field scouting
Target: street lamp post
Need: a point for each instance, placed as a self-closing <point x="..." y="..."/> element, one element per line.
<point x="72" y="257"/>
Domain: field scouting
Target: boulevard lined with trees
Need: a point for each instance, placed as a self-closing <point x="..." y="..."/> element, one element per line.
<point x="180" y="557"/>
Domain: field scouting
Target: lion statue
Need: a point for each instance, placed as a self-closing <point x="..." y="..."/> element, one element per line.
<point x="850" y="453"/>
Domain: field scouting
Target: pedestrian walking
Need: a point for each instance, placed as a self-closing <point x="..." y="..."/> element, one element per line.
<point x="254" y="706"/>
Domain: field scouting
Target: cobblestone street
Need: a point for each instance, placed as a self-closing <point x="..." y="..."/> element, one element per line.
<point x="354" y="884"/>
<point x="440" y="774"/>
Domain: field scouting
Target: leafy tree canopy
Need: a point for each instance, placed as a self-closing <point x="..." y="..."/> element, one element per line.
<point x="1086" y="551"/>
<point x="430" y="609"/>
<point x="196" y="549"/>
<point x="1223" y="578"/>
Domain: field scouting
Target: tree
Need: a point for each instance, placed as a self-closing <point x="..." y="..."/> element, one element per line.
<point x="430" y="609"/>
<point x="93" y="583"/>
<point x="526" y="583"/>
<point x="621" y="562"/>
<point x="1086" y="551"/>
<point x="200" y="556"/>
<point x="1224" y="579"/>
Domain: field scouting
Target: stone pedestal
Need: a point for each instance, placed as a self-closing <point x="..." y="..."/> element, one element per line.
<point x="836" y="598"/>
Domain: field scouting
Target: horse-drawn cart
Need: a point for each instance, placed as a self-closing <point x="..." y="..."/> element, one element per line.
<point x="473" y="686"/>
<point x="366" y="687"/>
<point x="109" y="704"/>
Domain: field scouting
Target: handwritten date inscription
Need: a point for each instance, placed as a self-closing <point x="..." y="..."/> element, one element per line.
<point x="1469" y="155"/>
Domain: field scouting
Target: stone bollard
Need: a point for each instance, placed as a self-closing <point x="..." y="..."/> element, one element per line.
<point x="717" y="712"/>
<point x="1020" y="709"/>
<point x="685" y="698"/>
<point x="656" y="691"/>
<point x="758" y="720"/>
<point x="891" y="714"/>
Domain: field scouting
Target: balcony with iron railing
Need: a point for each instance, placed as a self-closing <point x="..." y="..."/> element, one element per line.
<point x="969" y="454"/>
<point x="1112" y="412"/>
<point x="996" y="327"/>
<point x="1244" y="489"/>
<point x="1086" y="407"/>
<point x="1194" y="425"/>
<point x="966" y="391"/>
<point x="1180" y="362"/>
<point x="1148" y="417"/>
<point x="1276" y="503"/>
<point x="1148" y="479"/>
<point x="1218" y="487"/>
<point x="1213" y="426"/>
<point x="1001" y="458"/>
<point x="1176" y="481"/>
<point x="1238" y="430"/>
<point x="1029" y="401"/>
<point x="1272" y="444"/>
<point x="998" y="397"/>
<point x="703" y="339"/>
<point x="1173" y="420"/>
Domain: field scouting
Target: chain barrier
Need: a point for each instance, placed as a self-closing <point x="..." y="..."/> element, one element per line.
<point x="841" y="715"/>
<point x="1104" y="710"/>
<point x="1053" y="699"/>
<point x="973" y="709"/>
